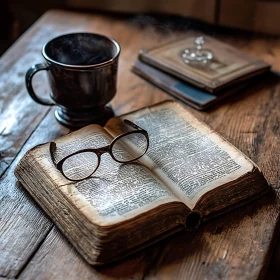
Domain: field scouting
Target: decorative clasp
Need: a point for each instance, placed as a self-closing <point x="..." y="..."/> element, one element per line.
<point x="197" y="54"/>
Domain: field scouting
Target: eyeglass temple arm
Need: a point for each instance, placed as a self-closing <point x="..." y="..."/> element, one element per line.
<point x="52" y="149"/>
<point x="132" y="124"/>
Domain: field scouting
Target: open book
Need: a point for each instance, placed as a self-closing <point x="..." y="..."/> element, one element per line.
<point x="188" y="175"/>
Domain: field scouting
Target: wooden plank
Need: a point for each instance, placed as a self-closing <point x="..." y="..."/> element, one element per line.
<point x="198" y="9"/>
<point x="211" y="251"/>
<point x="69" y="265"/>
<point x="237" y="14"/>
<point x="19" y="114"/>
<point x="268" y="12"/>
<point x="23" y="225"/>
<point x="252" y="15"/>
<point x="238" y="245"/>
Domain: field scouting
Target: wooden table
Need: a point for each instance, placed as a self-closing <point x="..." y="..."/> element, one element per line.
<point x="238" y="245"/>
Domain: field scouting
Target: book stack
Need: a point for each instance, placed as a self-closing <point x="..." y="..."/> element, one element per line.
<point x="199" y="70"/>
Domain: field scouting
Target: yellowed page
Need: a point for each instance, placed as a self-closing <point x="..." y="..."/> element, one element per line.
<point x="115" y="192"/>
<point x="185" y="154"/>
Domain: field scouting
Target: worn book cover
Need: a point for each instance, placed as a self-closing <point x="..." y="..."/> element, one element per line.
<point x="196" y="97"/>
<point x="227" y="67"/>
<point x="188" y="175"/>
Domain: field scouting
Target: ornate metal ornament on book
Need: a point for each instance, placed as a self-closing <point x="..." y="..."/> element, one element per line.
<point x="197" y="54"/>
<point x="82" y="73"/>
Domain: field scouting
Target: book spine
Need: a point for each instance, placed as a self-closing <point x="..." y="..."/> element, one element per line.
<point x="193" y="220"/>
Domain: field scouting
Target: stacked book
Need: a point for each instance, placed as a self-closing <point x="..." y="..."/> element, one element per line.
<point x="199" y="70"/>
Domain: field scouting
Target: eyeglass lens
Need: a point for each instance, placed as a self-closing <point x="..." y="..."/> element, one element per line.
<point x="80" y="166"/>
<point x="129" y="147"/>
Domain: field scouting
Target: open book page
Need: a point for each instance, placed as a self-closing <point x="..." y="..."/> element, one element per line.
<point x="185" y="154"/>
<point x="115" y="192"/>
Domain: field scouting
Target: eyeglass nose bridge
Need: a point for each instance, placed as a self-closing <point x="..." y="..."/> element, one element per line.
<point x="103" y="150"/>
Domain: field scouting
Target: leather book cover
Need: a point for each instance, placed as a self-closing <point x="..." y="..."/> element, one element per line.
<point x="196" y="97"/>
<point x="227" y="67"/>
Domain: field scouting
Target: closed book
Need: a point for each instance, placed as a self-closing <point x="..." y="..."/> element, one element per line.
<point x="196" y="97"/>
<point x="227" y="67"/>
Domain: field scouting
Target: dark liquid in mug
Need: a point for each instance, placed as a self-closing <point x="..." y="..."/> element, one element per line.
<point x="80" y="49"/>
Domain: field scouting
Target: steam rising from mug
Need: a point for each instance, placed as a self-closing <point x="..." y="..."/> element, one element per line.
<point x="82" y="72"/>
<point x="80" y="50"/>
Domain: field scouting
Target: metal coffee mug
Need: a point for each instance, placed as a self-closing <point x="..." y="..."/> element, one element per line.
<point x="82" y="73"/>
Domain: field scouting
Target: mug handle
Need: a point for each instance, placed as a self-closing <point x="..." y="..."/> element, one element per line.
<point x="28" y="82"/>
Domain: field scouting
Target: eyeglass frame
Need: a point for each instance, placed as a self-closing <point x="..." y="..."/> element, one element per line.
<point x="99" y="151"/>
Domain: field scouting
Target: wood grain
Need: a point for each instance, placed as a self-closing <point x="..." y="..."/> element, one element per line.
<point x="237" y="245"/>
<point x="20" y="217"/>
<point x="23" y="225"/>
<point x="43" y="266"/>
<point x="228" y="247"/>
<point x="19" y="114"/>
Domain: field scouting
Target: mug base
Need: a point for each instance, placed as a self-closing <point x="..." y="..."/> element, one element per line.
<point x="78" y="118"/>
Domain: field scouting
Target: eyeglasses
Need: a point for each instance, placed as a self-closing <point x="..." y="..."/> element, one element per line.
<point x="125" y="148"/>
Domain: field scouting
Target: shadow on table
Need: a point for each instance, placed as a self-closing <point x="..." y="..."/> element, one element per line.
<point x="259" y="86"/>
